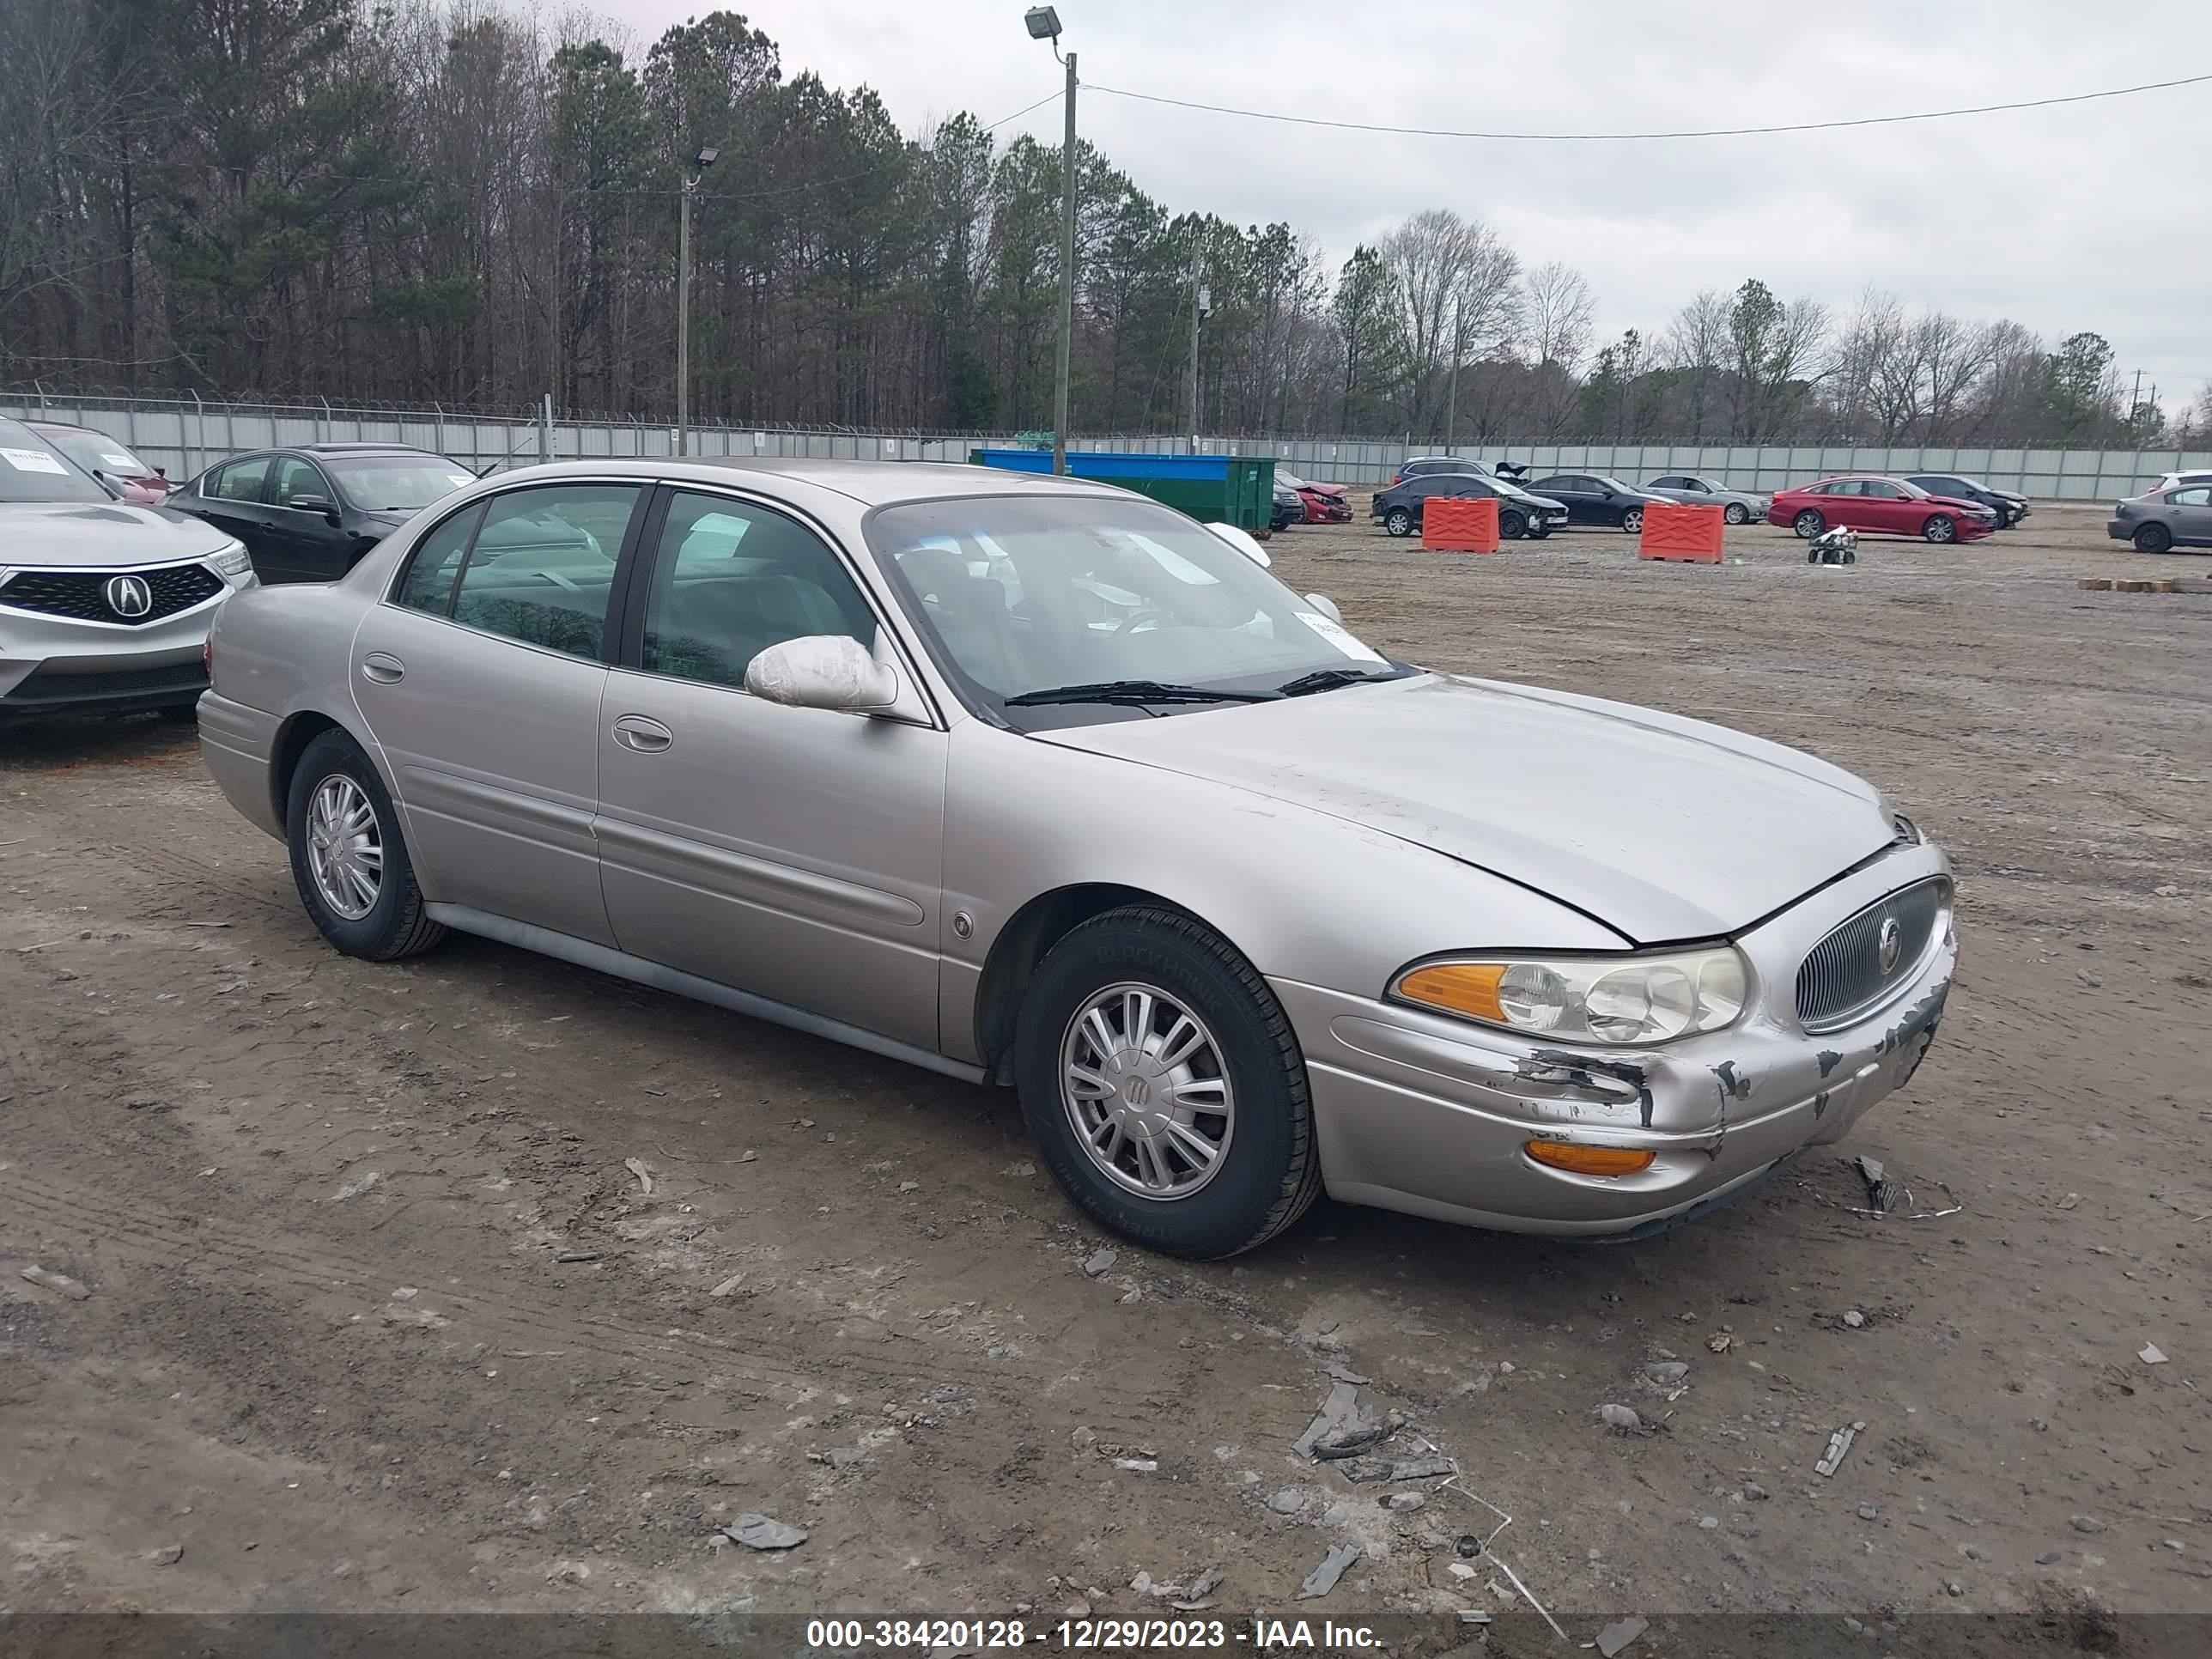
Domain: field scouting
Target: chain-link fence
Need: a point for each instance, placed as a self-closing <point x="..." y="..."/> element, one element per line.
<point x="184" y="435"/>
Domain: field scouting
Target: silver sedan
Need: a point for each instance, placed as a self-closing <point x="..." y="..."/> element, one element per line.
<point x="1041" y="784"/>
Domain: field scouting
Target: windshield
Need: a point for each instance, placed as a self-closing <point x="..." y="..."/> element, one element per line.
<point x="1019" y="594"/>
<point x="396" y="483"/>
<point x="1281" y="477"/>
<point x="95" y="452"/>
<point x="31" y="471"/>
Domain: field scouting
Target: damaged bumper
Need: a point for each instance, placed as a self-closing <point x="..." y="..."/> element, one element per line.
<point x="1433" y="1116"/>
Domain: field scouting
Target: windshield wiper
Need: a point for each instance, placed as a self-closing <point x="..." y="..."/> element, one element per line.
<point x="1327" y="679"/>
<point x="1138" y="691"/>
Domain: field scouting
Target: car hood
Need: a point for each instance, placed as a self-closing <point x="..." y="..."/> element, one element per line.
<point x="1323" y="488"/>
<point x="102" y="534"/>
<point x="1959" y="502"/>
<point x="1662" y="828"/>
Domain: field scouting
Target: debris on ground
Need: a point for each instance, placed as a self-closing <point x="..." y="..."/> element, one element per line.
<point x="2087" y="1523"/>
<point x="1201" y="1585"/>
<point x="728" y="1284"/>
<point x="61" y="1283"/>
<point x="1138" y="1465"/>
<point x="1289" y="1501"/>
<point x="1619" y="1634"/>
<point x="1720" y="1344"/>
<point x="1855" y="1319"/>
<point x="167" y="1556"/>
<point x="643" y="1171"/>
<point x="1322" y="1579"/>
<point x="1403" y="1503"/>
<point x="1099" y="1261"/>
<point x="1346" y="1442"/>
<point x="759" y="1532"/>
<point x="2151" y="1354"/>
<point x="1341" y="1413"/>
<point x="1877" y="1189"/>
<point x="1623" y="1417"/>
<point x="1668" y="1370"/>
<point x="579" y="1256"/>
<point x="1838" y="1443"/>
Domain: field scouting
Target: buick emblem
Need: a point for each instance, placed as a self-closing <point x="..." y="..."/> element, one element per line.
<point x="1889" y="944"/>
<point x="129" y="595"/>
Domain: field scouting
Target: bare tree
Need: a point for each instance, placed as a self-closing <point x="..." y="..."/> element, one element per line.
<point x="1695" y="351"/>
<point x="1456" y="282"/>
<point x="1555" y="308"/>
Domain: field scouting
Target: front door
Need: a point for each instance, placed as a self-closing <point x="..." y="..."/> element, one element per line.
<point x="304" y="544"/>
<point x="481" y="679"/>
<point x="1887" y="507"/>
<point x="235" y="500"/>
<point x="792" y="853"/>
<point x="1579" y="496"/>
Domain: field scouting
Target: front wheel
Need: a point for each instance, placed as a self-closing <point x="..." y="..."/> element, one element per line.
<point x="1632" y="522"/>
<point x="1939" y="528"/>
<point x="1808" y="524"/>
<point x="1164" y="1086"/>
<point x="1512" y="526"/>
<point x="1398" y="521"/>
<point x="1736" y="513"/>
<point x="2154" y="538"/>
<point x="349" y="860"/>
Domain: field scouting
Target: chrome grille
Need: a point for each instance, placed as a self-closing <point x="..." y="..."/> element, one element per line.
<point x="1843" y="976"/>
<point x="81" y="595"/>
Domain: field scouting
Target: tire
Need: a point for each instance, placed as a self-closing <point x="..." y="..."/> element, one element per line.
<point x="1939" y="528"/>
<point x="1808" y="524"/>
<point x="1632" y="521"/>
<point x="2154" y="538"/>
<point x="1269" y="1170"/>
<point x="1398" y="521"/>
<point x="1850" y="555"/>
<point x="1511" y="526"/>
<point x="393" y="924"/>
<point x="181" y="713"/>
<point x="1736" y="513"/>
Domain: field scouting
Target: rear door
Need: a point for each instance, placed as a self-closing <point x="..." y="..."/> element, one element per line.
<point x="480" y="678"/>
<point x="2190" y="514"/>
<point x="794" y="853"/>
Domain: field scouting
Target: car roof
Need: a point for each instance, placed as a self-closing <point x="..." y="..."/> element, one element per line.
<point x="356" y="449"/>
<point x="43" y="425"/>
<point x="871" y="483"/>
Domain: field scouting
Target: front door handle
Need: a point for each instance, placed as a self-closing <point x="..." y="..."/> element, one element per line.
<point x="383" y="667"/>
<point x="647" y="736"/>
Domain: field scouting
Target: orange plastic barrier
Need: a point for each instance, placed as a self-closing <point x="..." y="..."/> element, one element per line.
<point x="1459" y="524"/>
<point x="1691" y="534"/>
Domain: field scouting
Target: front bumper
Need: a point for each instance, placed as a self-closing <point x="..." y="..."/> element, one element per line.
<point x="53" y="665"/>
<point x="1429" y="1115"/>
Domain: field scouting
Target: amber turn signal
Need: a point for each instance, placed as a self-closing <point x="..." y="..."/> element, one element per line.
<point x="1464" y="987"/>
<point x="1588" y="1160"/>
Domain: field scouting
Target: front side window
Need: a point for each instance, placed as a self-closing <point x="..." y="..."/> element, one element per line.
<point x="1881" y="491"/>
<point x="1022" y="595"/>
<point x="295" y="478"/>
<point x="541" y="566"/>
<point x="731" y="578"/>
<point x="242" y="481"/>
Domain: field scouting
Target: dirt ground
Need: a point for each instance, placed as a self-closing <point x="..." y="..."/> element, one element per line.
<point x="381" y="1316"/>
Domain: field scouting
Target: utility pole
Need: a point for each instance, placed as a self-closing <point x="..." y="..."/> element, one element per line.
<point x="1198" y="297"/>
<point x="700" y="164"/>
<point x="1044" y="24"/>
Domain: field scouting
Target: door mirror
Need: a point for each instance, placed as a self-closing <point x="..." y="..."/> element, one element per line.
<point x="312" y="504"/>
<point x="1327" y="606"/>
<point x="823" y="671"/>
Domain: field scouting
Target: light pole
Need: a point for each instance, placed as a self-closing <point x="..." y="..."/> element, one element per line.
<point x="700" y="164"/>
<point x="1044" y="25"/>
<point x="1198" y="298"/>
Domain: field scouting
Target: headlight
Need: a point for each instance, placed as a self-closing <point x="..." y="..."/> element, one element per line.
<point x="1629" y="1000"/>
<point x="231" y="559"/>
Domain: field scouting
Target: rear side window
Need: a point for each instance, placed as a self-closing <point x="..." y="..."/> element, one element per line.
<point x="242" y="481"/>
<point x="541" y="567"/>
<point x="2195" y="495"/>
<point x="428" y="583"/>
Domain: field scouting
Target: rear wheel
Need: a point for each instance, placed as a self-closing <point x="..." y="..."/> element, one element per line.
<point x="1736" y="512"/>
<point x="1808" y="524"/>
<point x="1398" y="521"/>
<point x="2154" y="538"/>
<point x="1164" y="1087"/>
<point x="1512" y="526"/>
<point x="1941" y="527"/>
<point x="348" y="859"/>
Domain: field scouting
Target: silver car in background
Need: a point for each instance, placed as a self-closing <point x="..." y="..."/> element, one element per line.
<point x="1035" y="782"/>
<point x="1693" y="489"/>
<point x="104" y="606"/>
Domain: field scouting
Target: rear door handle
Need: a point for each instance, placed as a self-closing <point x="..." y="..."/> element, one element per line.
<point x="647" y="737"/>
<point x="383" y="667"/>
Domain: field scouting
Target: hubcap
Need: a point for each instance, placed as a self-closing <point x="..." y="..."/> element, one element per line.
<point x="1145" y="1092"/>
<point x="345" y="847"/>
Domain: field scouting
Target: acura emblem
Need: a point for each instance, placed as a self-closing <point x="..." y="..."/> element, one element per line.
<point x="1889" y="944"/>
<point x="129" y="595"/>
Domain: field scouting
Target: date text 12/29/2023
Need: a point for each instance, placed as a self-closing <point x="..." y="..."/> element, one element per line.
<point x="1084" y="1635"/>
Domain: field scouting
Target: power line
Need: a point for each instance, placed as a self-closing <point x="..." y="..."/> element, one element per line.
<point x="1049" y="97"/>
<point x="1603" y="137"/>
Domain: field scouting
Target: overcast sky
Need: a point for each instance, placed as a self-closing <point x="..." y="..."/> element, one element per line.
<point x="2094" y="216"/>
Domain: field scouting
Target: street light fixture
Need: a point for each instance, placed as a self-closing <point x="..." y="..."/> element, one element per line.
<point x="1044" y="25"/>
<point x="700" y="164"/>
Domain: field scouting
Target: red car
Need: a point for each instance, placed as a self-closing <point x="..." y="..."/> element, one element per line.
<point x="1324" y="503"/>
<point x="1888" y="506"/>
<point x="108" y="459"/>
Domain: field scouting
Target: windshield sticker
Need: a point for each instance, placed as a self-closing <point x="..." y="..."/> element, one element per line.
<point x="129" y="465"/>
<point x="1342" y="637"/>
<point x="30" y="461"/>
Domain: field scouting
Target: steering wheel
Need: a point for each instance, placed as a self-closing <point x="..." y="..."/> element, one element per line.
<point x="1129" y="623"/>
